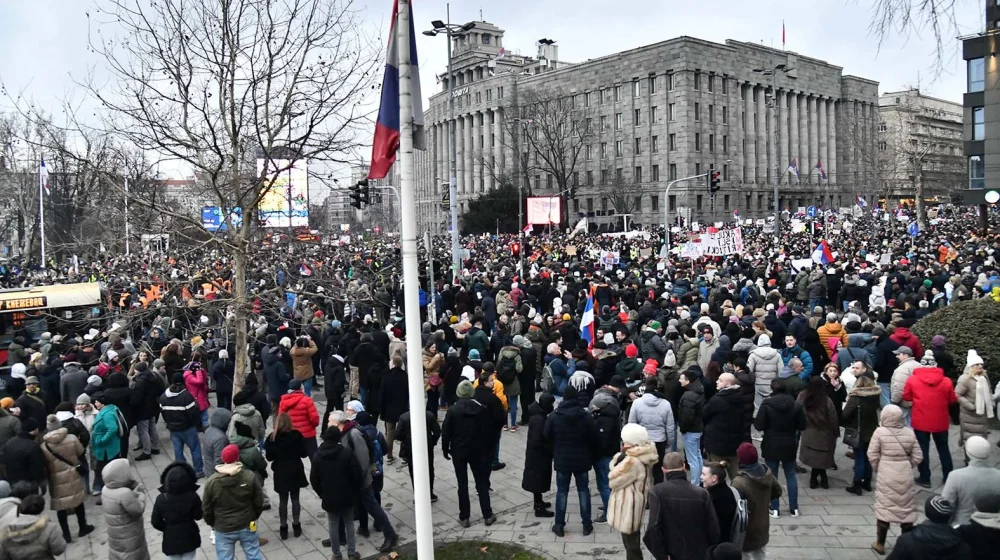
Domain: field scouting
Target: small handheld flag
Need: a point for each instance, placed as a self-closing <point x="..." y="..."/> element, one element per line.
<point x="822" y="254"/>
<point x="860" y="201"/>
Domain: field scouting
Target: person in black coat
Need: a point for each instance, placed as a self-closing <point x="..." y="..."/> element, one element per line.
<point x="747" y="389"/>
<point x="146" y="389"/>
<point x="723" y="417"/>
<point x="394" y="401"/>
<point x="607" y="412"/>
<point x="250" y="394"/>
<point x="223" y="373"/>
<point x="48" y="377"/>
<point x="451" y="373"/>
<point x="22" y="456"/>
<point x="982" y="532"/>
<point x="572" y="432"/>
<point x="334" y="382"/>
<point x="934" y="538"/>
<point x="285" y="448"/>
<point x="780" y="418"/>
<point x="682" y="519"/>
<point x="527" y="376"/>
<point x="537" y="475"/>
<point x="465" y="434"/>
<point x="116" y="392"/>
<point x="337" y="479"/>
<point x="403" y="436"/>
<point x="177" y="510"/>
<point x="885" y="362"/>
<point x="713" y="479"/>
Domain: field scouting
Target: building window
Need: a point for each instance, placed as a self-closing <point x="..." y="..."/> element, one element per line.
<point x="654" y="144"/>
<point x="711" y="113"/>
<point x="672" y="112"/>
<point x="711" y="82"/>
<point x="618" y="121"/>
<point x="977" y="172"/>
<point x="576" y="205"/>
<point x="725" y="202"/>
<point x="548" y="181"/>
<point x="604" y="176"/>
<point x="590" y="177"/>
<point x="618" y="93"/>
<point x="670" y="81"/>
<point x="620" y="175"/>
<point x="500" y="92"/>
<point x="697" y="79"/>
<point x="697" y="142"/>
<point x="652" y="115"/>
<point x="652" y="85"/>
<point x="725" y="144"/>
<point x="486" y="39"/>
<point x="978" y="123"/>
<point x="725" y="172"/>
<point x="711" y="142"/>
<point x="672" y="142"/>
<point x="697" y="111"/>
<point x="760" y="202"/>
<point x="725" y="84"/>
<point x="489" y="94"/>
<point x="590" y="205"/>
<point x="655" y="173"/>
<point x="638" y="174"/>
<point x="882" y="127"/>
<point x="977" y="75"/>
<point x="725" y="114"/>
<point x="672" y="202"/>
<point x="604" y="203"/>
<point x="587" y="97"/>
<point x="604" y="122"/>
<point x="638" y="204"/>
<point x="672" y="172"/>
<point x="618" y="148"/>
<point x="635" y="88"/>
<point x="636" y="117"/>
<point x="882" y="146"/>
<point x="590" y="152"/>
<point x="604" y="150"/>
<point x="699" y="202"/>
<point x="638" y="146"/>
<point x="576" y="178"/>
<point x="654" y="201"/>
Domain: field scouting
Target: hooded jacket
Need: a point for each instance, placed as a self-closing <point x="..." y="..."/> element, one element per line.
<point x="32" y="537"/>
<point x="65" y="484"/>
<point x="765" y="363"/>
<point x="780" y="417"/>
<point x="723" y="416"/>
<point x="123" y="508"/>
<point x="302" y="409"/>
<point x="177" y="509"/>
<point x="232" y="498"/>
<point x="215" y="439"/>
<point x="690" y="409"/>
<point x="904" y="337"/>
<point x="893" y="453"/>
<point x="900" y="376"/>
<point x="654" y="413"/>
<point x="275" y="374"/>
<point x="966" y="485"/>
<point x="932" y="541"/>
<point x="757" y="485"/>
<point x="829" y="331"/>
<point x="607" y="413"/>
<point x="651" y="345"/>
<point x="930" y="394"/>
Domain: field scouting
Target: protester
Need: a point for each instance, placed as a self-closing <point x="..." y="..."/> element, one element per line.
<point x="183" y="420"/>
<point x="177" y="510"/>
<point x="983" y="528"/>
<point x="285" y="448"/>
<point x="759" y="488"/>
<point x="893" y="452"/>
<point x="30" y="535"/>
<point x="724" y="417"/>
<point x="630" y="483"/>
<point x="931" y="395"/>
<point x="974" y="399"/>
<point x="726" y="502"/>
<point x="653" y="412"/>
<point x="860" y="418"/>
<point x="124" y="502"/>
<point x="780" y="419"/>
<point x="302" y="413"/>
<point x="404" y="436"/>
<point x="819" y="439"/>
<point x="232" y="503"/>
<point x="573" y="434"/>
<point x="62" y="452"/>
<point x="337" y="478"/>
<point x="934" y="538"/>
<point x="537" y="475"/>
<point x="965" y="487"/>
<point x="607" y="413"/>
<point x="682" y="519"/>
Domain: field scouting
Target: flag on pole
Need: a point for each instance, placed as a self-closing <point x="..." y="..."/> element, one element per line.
<point x="819" y="167"/>
<point x="822" y="254"/>
<point x="793" y="167"/>
<point x="782" y="34"/>
<point x="387" y="126"/>
<point x="736" y="214"/>
<point x="526" y="230"/>
<point x="43" y="176"/>
<point x="587" y="321"/>
<point x="860" y="201"/>
<point x="914" y="229"/>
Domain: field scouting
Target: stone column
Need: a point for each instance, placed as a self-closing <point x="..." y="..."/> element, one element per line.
<point x="459" y="124"/>
<point x="782" y="157"/>
<point x="793" y="136"/>
<point x="749" y="135"/>
<point x="803" y="139"/>
<point x="767" y="113"/>
<point x="470" y="153"/>
<point x="761" y="124"/>
<point x="498" y="163"/>
<point x="823" y="146"/>
<point x="479" y="133"/>
<point x="813" y="138"/>
<point x="831" y="119"/>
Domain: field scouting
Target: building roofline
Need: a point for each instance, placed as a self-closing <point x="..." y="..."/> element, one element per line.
<point x="931" y="97"/>
<point x="860" y="79"/>
<point x="775" y="51"/>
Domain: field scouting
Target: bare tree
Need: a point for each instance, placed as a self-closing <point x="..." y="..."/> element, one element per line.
<point x="893" y="18"/>
<point x="622" y="193"/>
<point x="212" y="86"/>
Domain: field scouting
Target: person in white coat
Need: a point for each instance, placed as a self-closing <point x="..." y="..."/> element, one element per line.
<point x="652" y="411"/>
<point x="764" y="364"/>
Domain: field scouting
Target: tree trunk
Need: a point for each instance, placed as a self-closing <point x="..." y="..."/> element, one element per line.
<point x="242" y="356"/>
<point x="919" y="205"/>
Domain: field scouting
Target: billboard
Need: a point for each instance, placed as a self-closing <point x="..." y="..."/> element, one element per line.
<point x="213" y="219"/>
<point x="291" y="182"/>
<point x="544" y="210"/>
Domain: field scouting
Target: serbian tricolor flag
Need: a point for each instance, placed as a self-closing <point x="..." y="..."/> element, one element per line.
<point x="860" y="201"/>
<point x="822" y="254"/>
<point x="387" y="126"/>
<point x="587" y="321"/>
<point x="793" y="167"/>
<point x="527" y="230"/>
<point x="819" y="167"/>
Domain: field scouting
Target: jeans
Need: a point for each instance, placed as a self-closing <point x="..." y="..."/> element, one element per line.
<point x="790" y="481"/>
<point x="188" y="437"/>
<point x="390" y="437"/>
<point x="562" y="494"/>
<point x="307" y="387"/>
<point x="673" y="439"/>
<point x="148" y="438"/>
<point x="372" y="506"/>
<point x="907" y="416"/>
<point x="512" y="403"/>
<point x="886" y="393"/>
<point x="185" y="556"/>
<point x="225" y="544"/>
<point x="334" y="519"/>
<point x="204" y="418"/>
<point x="692" y="449"/>
<point x="602" y="468"/>
<point x="941" y="442"/>
<point x="481" y="473"/>
<point x="862" y="466"/>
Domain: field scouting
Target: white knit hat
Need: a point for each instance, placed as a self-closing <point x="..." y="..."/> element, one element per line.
<point x="634" y="434"/>
<point x="973" y="359"/>
<point x="978" y="447"/>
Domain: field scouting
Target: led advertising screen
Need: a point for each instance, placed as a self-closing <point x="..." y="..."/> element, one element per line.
<point x="290" y="182"/>
<point x="213" y="220"/>
<point x="544" y="210"/>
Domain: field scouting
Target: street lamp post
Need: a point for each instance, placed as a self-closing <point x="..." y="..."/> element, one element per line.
<point x="451" y="30"/>
<point x="666" y="208"/>
<point x="773" y="72"/>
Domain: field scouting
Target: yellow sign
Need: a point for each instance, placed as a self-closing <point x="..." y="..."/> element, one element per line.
<point x="34" y="302"/>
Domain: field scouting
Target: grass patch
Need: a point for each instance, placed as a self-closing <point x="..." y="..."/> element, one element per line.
<point x="465" y="550"/>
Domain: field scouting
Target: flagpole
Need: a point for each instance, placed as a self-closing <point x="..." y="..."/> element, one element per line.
<point x="408" y="248"/>
<point x="41" y="208"/>
<point x="127" y="251"/>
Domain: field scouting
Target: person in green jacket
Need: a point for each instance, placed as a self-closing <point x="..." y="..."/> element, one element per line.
<point x="232" y="502"/>
<point x="477" y="339"/>
<point x="105" y="442"/>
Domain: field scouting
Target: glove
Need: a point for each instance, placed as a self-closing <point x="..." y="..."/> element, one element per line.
<point x="447" y="457"/>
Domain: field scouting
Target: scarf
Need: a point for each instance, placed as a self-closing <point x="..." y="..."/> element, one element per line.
<point x="984" y="398"/>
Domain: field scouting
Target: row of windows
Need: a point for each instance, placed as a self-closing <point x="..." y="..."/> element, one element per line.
<point x="654" y="146"/>
<point x="654" y="203"/>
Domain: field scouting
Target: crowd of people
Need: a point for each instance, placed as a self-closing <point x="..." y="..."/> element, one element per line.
<point x="685" y="385"/>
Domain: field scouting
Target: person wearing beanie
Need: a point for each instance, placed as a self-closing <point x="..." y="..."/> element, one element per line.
<point x="682" y="520"/>
<point x="528" y="376"/>
<point x="627" y="502"/>
<point x="537" y="475"/>
<point x="651" y="342"/>
<point x="982" y="532"/>
<point x="963" y="488"/>
<point x="934" y="538"/>
<point x="276" y="374"/>
<point x="466" y="436"/>
<point x="629" y="366"/>
<point x="223" y="373"/>
<point x="975" y="399"/>
<point x="22" y="457"/>
<point x="573" y="434"/>
<point x="893" y="452"/>
<point x="884" y="362"/>
<point x="72" y="381"/>
<point x="303" y="412"/>
<point x="337" y="479"/>
<point x="489" y="393"/>
<point x="232" y="502"/>
<point x="183" y="421"/>
<point x="105" y="443"/>
<point x="930" y="395"/>
<point x="62" y="451"/>
<point x="781" y="419"/>
<point x="766" y="364"/>
<point x="32" y="401"/>
<point x="707" y="347"/>
<point x="757" y="485"/>
<point x="10" y="424"/>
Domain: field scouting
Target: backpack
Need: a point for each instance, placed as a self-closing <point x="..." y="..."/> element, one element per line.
<point x="548" y="383"/>
<point x="738" y="532"/>
<point x="374" y="450"/>
<point x="506" y="370"/>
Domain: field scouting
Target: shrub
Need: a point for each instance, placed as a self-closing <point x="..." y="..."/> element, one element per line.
<point x="969" y="324"/>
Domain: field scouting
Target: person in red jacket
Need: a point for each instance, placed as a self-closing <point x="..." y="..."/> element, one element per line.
<point x="301" y="408"/>
<point x="931" y="394"/>
<point x="902" y="336"/>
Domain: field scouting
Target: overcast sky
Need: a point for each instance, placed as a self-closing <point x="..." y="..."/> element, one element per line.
<point x="44" y="42"/>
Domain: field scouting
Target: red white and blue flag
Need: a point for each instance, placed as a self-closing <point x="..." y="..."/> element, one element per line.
<point x="822" y="254"/>
<point x="587" y="321"/>
<point x="819" y="167"/>
<point x="43" y="177"/>
<point x="387" y="126"/>
<point x="860" y="201"/>
<point x="793" y="167"/>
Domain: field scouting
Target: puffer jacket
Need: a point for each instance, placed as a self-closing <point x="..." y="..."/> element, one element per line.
<point x="245" y="414"/>
<point x="302" y="409"/>
<point x="653" y="412"/>
<point x="123" y="508"/>
<point x="690" y="407"/>
<point x="893" y="453"/>
<point x="724" y="427"/>
<point x="652" y="346"/>
<point x="904" y="337"/>
<point x="215" y="439"/>
<point x="831" y="330"/>
<point x="65" y="484"/>
<point x="630" y="480"/>
<point x="687" y="354"/>
<point x="930" y="393"/>
<point x="765" y="364"/>
<point x="512" y="387"/>
<point x="32" y="537"/>
<point x="196" y="382"/>
<point x="177" y="509"/>
<point x="609" y="423"/>
<point x="900" y="376"/>
<point x="780" y="417"/>
<point x="971" y="423"/>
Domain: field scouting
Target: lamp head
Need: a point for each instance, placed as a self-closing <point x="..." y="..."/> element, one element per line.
<point x="438" y="24"/>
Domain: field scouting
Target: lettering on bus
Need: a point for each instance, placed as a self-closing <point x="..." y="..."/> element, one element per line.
<point x="33" y="302"/>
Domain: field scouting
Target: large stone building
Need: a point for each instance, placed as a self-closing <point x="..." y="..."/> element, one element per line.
<point x="981" y="108"/>
<point x="919" y="140"/>
<point x="657" y="113"/>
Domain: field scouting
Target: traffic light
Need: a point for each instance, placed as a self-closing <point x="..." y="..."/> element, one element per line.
<point x="356" y="196"/>
<point x="516" y="249"/>
<point x="713" y="179"/>
<point x="366" y="196"/>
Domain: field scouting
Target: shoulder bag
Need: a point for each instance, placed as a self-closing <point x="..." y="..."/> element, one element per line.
<point x="80" y="468"/>
<point x="852" y="434"/>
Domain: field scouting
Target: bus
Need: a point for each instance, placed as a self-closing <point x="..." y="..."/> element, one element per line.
<point x="29" y="312"/>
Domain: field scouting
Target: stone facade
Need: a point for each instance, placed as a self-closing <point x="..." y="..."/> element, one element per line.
<point x="668" y="111"/>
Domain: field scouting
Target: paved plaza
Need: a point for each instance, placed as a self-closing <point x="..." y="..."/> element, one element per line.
<point x="833" y="524"/>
